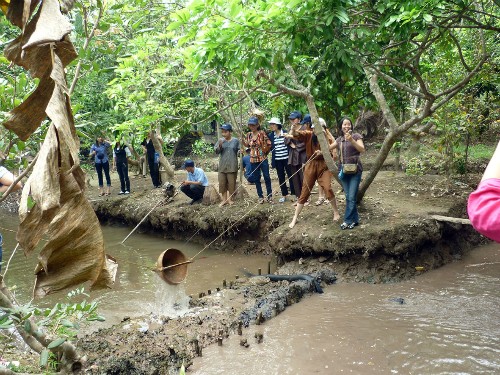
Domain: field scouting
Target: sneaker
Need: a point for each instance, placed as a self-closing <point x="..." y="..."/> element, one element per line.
<point x="344" y="225"/>
<point x="121" y="193"/>
<point x="282" y="200"/>
<point x="127" y="192"/>
<point x="196" y="201"/>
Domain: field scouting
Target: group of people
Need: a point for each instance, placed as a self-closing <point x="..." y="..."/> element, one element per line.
<point x="121" y="156"/>
<point x="298" y="160"/>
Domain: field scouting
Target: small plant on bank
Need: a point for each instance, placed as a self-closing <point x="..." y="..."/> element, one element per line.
<point x="59" y="323"/>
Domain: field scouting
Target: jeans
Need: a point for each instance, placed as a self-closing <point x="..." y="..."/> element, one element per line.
<point x="195" y="192"/>
<point x="1" y="244"/>
<point x="122" y="169"/>
<point x="350" y="183"/>
<point x="282" y="167"/>
<point x="99" y="167"/>
<point x="256" y="169"/>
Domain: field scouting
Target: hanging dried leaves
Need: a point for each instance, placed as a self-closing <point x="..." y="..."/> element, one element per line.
<point x="74" y="252"/>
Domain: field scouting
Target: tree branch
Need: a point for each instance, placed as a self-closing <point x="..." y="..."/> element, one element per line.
<point x="88" y="38"/>
<point x="398" y="84"/>
<point x="460" y="54"/>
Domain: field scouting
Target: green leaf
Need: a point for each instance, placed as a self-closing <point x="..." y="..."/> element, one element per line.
<point x="56" y="343"/>
<point x="44" y="357"/>
<point x="27" y="326"/>
<point x="66" y="323"/>
<point x="427" y="17"/>
<point x="31" y="203"/>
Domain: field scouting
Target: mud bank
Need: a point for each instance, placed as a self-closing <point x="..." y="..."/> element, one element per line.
<point x="159" y="345"/>
<point x="396" y="233"/>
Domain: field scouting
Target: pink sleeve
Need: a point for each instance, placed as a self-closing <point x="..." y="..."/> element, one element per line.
<point x="484" y="208"/>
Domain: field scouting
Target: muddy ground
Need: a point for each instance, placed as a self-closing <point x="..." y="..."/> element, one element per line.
<point x="396" y="237"/>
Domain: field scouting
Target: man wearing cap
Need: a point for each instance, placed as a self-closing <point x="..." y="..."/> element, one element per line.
<point x="296" y="155"/>
<point x="228" y="148"/>
<point x="196" y="182"/>
<point x="279" y="157"/>
<point x="260" y="145"/>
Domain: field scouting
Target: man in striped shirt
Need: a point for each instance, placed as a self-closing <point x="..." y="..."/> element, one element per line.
<point x="279" y="158"/>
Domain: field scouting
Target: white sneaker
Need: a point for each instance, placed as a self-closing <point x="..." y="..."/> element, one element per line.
<point x="127" y="192"/>
<point x="121" y="193"/>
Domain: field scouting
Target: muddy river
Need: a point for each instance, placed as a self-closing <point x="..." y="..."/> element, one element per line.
<point x="448" y="323"/>
<point x="138" y="290"/>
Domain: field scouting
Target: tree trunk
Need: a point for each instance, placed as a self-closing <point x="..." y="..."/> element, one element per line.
<point x="323" y="142"/>
<point x="168" y="169"/>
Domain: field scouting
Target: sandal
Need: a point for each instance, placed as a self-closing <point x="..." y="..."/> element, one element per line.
<point x="101" y="194"/>
<point x="261" y="200"/>
<point x="319" y="202"/>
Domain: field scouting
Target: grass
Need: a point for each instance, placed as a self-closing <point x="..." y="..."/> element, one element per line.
<point x="479" y="151"/>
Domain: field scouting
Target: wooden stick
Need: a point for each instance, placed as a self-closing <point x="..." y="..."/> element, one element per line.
<point x="172" y="266"/>
<point x="448" y="219"/>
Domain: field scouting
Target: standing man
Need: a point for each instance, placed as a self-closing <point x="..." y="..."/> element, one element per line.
<point x="121" y="153"/>
<point x="196" y="182"/>
<point x="153" y="159"/>
<point x="227" y="147"/>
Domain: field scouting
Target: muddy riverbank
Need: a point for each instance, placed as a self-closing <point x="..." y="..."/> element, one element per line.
<point x="397" y="232"/>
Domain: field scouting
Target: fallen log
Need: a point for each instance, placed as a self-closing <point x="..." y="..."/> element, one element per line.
<point x="456" y="220"/>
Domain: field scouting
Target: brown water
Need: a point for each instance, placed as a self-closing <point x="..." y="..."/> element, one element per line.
<point x="449" y="324"/>
<point x="138" y="290"/>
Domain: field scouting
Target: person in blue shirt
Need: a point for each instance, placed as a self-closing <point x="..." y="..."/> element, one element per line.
<point x="196" y="182"/>
<point x="100" y="152"/>
<point x="246" y="166"/>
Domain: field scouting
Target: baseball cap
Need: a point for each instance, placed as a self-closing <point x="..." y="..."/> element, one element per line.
<point x="294" y="115"/>
<point x="307" y="119"/>
<point x="188" y="163"/>
<point x="227" y="127"/>
<point x="253" y="121"/>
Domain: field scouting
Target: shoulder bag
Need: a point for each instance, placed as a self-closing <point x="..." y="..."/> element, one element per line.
<point x="347" y="168"/>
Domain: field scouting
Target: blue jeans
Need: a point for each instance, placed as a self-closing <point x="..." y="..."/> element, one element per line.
<point x="256" y="169"/>
<point x="100" y="167"/>
<point x="350" y="183"/>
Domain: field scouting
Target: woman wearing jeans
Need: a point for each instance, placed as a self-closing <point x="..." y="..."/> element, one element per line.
<point x="350" y="146"/>
<point x="257" y="140"/>
<point x="100" y="151"/>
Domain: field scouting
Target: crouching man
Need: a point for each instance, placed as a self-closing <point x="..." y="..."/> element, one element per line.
<point x="194" y="186"/>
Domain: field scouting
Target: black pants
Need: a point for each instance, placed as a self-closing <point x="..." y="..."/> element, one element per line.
<point x="282" y="167"/>
<point x="122" y="169"/>
<point x="154" y="170"/>
<point x="99" y="167"/>
<point x="195" y="192"/>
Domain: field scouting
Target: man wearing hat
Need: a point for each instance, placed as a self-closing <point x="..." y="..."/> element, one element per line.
<point x="279" y="156"/>
<point x="260" y="145"/>
<point x="227" y="147"/>
<point x="296" y="155"/>
<point x="196" y="182"/>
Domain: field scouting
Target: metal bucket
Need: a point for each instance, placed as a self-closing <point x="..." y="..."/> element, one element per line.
<point x="171" y="257"/>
